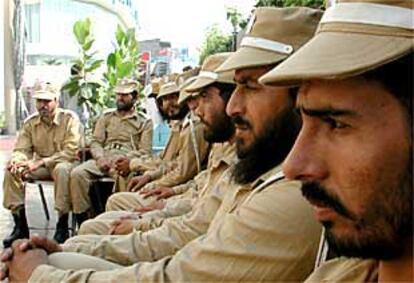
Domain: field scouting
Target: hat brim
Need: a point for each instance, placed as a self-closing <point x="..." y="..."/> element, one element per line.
<point x="202" y="82"/>
<point x="44" y="96"/>
<point x="248" y="57"/>
<point x="124" y="90"/>
<point x="177" y="91"/>
<point x="184" y="95"/>
<point x="334" y="55"/>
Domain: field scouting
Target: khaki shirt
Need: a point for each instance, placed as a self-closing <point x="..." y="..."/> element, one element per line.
<point x="345" y="269"/>
<point x="263" y="231"/>
<point x="178" y="162"/>
<point x="222" y="155"/>
<point x="115" y="135"/>
<point x="55" y="143"/>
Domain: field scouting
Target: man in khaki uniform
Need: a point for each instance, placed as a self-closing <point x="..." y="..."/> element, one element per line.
<point x="45" y="149"/>
<point x="354" y="152"/>
<point x="218" y="130"/>
<point x="263" y="229"/>
<point x="118" y="133"/>
<point x="182" y="158"/>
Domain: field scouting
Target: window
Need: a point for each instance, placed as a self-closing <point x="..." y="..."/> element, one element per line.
<point x="32" y="14"/>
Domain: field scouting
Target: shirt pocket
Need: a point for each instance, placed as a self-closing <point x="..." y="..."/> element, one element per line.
<point x="59" y="140"/>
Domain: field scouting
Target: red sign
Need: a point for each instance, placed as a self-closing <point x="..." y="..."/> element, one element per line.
<point x="145" y="56"/>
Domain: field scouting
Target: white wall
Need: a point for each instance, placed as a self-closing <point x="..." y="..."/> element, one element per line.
<point x="8" y="86"/>
<point x="2" y="98"/>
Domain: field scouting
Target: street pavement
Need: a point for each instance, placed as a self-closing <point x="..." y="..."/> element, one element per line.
<point x="34" y="209"/>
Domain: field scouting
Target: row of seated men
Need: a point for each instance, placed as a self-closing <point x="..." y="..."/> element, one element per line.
<point x="121" y="147"/>
<point x="244" y="218"/>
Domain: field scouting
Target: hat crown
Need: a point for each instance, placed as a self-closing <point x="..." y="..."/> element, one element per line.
<point x="397" y="3"/>
<point x="126" y="86"/>
<point x="46" y="91"/>
<point x="376" y="17"/>
<point x="168" y="88"/>
<point x="212" y="62"/>
<point x="293" y="25"/>
<point x="156" y="85"/>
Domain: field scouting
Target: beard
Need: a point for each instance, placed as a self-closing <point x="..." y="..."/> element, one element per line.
<point x="267" y="150"/>
<point x="44" y="113"/>
<point x="221" y="130"/>
<point x="380" y="231"/>
<point x="180" y="114"/>
<point x="124" y="106"/>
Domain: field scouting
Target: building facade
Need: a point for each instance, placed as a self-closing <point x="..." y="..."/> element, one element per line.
<point x="50" y="39"/>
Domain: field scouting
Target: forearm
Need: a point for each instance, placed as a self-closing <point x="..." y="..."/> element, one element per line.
<point x="68" y="154"/>
<point x="50" y="273"/>
<point x="97" y="150"/>
<point x="18" y="156"/>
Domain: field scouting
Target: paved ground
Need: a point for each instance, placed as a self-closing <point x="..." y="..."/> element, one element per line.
<point x="34" y="210"/>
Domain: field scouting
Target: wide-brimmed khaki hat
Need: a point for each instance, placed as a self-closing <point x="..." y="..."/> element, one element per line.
<point x="208" y="75"/>
<point x="184" y="94"/>
<point x="353" y="37"/>
<point x="125" y="86"/>
<point x="154" y="87"/>
<point x="183" y="77"/>
<point x="272" y="35"/>
<point x="168" y="88"/>
<point x="46" y="92"/>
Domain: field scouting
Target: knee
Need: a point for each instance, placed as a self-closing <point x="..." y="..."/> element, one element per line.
<point x="78" y="172"/>
<point x="111" y="202"/>
<point x="73" y="240"/>
<point x="86" y="227"/>
<point x="9" y="176"/>
<point x="62" y="169"/>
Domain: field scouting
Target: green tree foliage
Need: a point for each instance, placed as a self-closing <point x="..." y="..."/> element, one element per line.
<point x="80" y="83"/>
<point x="215" y="41"/>
<point x="290" y="3"/>
<point x="122" y="62"/>
<point x="235" y="18"/>
<point x="286" y="3"/>
<point x="52" y="61"/>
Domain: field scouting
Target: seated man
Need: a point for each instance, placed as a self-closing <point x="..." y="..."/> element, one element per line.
<point x="182" y="158"/>
<point x="354" y="152"/>
<point x="45" y="149"/>
<point x="117" y="133"/>
<point x="218" y="130"/>
<point x="262" y="230"/>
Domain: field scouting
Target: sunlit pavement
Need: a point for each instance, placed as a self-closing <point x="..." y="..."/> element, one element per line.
<point x="34" y="210"/>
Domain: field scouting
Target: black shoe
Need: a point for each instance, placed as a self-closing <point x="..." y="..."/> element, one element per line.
<point x="80" y="217"/>
<point x="20" y="230"/>
<point x="62" y="231"/>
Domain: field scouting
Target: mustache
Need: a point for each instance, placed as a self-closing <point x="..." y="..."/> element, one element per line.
<point x="316" y="193"/>
<point x="238" y="120"/>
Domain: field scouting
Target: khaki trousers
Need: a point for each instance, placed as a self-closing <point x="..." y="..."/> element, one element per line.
<point x="82" y="177"/>
<point x="101" y="224"/>
<point x="14" y="189"/>
<point x="127" y="201"/>
<point x="77" y="261"/>
<point x="119" y="204"/>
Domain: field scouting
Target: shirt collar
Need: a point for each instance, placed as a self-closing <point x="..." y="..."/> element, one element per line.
<point x="55" y="121"/>
<point x="134" y="114"/>
<point x="227" y="153"/>
<point x="268" y="176"/>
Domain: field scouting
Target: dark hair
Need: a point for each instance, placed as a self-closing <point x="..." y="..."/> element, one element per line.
<point x="134" y="93"/>
<point x="226" y="90"/>
<point x="397" y="78"/>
